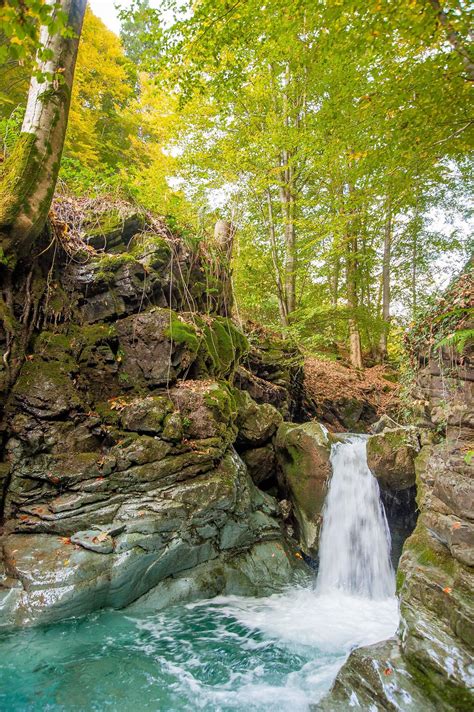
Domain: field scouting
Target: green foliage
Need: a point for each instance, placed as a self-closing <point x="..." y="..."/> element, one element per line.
<point x="448" y="320"/>
<point x="20" y="22"/>
<point x="326" y="123"/>
<point x="317" y="131"/>
<point x="459" y="339"/>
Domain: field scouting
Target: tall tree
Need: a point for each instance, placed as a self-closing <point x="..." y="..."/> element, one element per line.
<point x="29" y="175"/>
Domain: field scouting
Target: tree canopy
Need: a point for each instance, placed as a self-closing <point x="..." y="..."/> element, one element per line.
<point x="336" y="136"/>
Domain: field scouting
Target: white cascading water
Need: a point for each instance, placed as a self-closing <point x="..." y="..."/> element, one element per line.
<point x="355" y="540"/>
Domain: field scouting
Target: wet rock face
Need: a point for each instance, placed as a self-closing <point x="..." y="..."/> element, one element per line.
<point x="391" y="455"/>
<point x="303" y="456"/>
<point x="120" y="470"/>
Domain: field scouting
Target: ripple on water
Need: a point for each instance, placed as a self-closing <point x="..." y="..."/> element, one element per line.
<point x="228" y="654"/>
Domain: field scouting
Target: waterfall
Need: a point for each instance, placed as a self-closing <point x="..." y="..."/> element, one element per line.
<point x="355" y="541"/>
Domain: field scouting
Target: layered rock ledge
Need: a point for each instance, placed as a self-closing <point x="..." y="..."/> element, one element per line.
<point x="119" y="473"/>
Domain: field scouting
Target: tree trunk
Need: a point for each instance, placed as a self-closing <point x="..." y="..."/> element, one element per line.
<point x="387" y="247"/>
<point x="29" y="176"/>
<point x="355" y="349"/>
<point x="282" y="305"/>
<point x="224" y="233"/>
<point x="288" y="209"/>
<point x="414" y="275"/>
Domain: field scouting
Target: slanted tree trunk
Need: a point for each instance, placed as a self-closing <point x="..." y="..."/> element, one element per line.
<point x="387" y="248"/>
<point x="29" y="176"/>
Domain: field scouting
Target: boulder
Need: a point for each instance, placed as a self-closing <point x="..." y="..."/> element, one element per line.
<point x="256" y="423"/>
<point x="303" y="456"/>
<point x="151" y="354"/>
<point x="272" y="372"/>
<point x="261" y="463"/>
<point x="391" y="457"/>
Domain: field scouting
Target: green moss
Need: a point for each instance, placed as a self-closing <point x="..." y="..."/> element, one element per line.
<point x="17" y="179"/>
<point x="152" y="247"/>
<point x="108" y="414"/>
<point x="54" y="346"/>
<point x="47" y="382"/>
<point x="400" y="579"/>
<point x="93" y="334"/>
<point x="7" y="261"/>
<point x="220" y="399"/>
<point x="429" y="552"/>
<point x="107" y="265"/>
<point x="225" y="346"/>
<point x="443" y="692"/>
<point x="180" y="332"/>
<point x="221" y="346"/>
<point x="58" y="300"/>
<point x="7" y="317"/>
<point x="101" y="224"/>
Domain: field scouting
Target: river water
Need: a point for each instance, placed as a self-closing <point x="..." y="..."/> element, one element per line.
<point x="230" y="653"/>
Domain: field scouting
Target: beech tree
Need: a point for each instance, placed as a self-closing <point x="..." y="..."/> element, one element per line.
<point x="28" y="176"/>
<point x="321" y="123"/>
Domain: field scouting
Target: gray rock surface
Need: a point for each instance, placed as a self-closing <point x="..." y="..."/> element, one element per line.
<point x="303" y="455"/>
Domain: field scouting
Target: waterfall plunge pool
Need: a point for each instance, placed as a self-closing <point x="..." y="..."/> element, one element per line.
<point x="279" y="653"/>
<point x="274" y="654"/>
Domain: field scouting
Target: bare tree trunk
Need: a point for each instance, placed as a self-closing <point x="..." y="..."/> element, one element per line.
<point x="355" y="349"/>
<point x="414" y="256"/>
<point x="29" y="176"/>
<point x="288" y="209"/>
<point x="224" y="233"/>
<point x="334" y="285"/>
<point x="387" y="248"/>
<point x="280" y="287"/>
<point x="290" y="264"/>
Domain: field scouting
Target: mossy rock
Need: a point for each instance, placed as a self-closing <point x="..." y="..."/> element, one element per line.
<point x="391" y="457"/>
<point x="303" y="455"/>
<point x="45" y="389"/>
<point x="256" y="423"/>
<point x="112" y="228"/>
<point x="146" y="415"/>
<point x="207" y="409"/>
<point x="151" y="250"/>
<point x="217" y="343"/>
<point x="223" y="347"/>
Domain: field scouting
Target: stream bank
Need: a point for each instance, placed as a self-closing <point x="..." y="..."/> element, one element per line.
<point x="148" y="460"/>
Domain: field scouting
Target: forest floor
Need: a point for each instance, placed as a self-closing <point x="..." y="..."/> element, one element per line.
<point x="329" y="381"/>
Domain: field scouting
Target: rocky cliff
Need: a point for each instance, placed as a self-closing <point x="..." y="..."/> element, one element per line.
<point x="429" y="665"/>
<point x="121" y="416"/>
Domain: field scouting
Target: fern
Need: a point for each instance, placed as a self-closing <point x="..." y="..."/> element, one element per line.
<point x="458" y="339"/>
